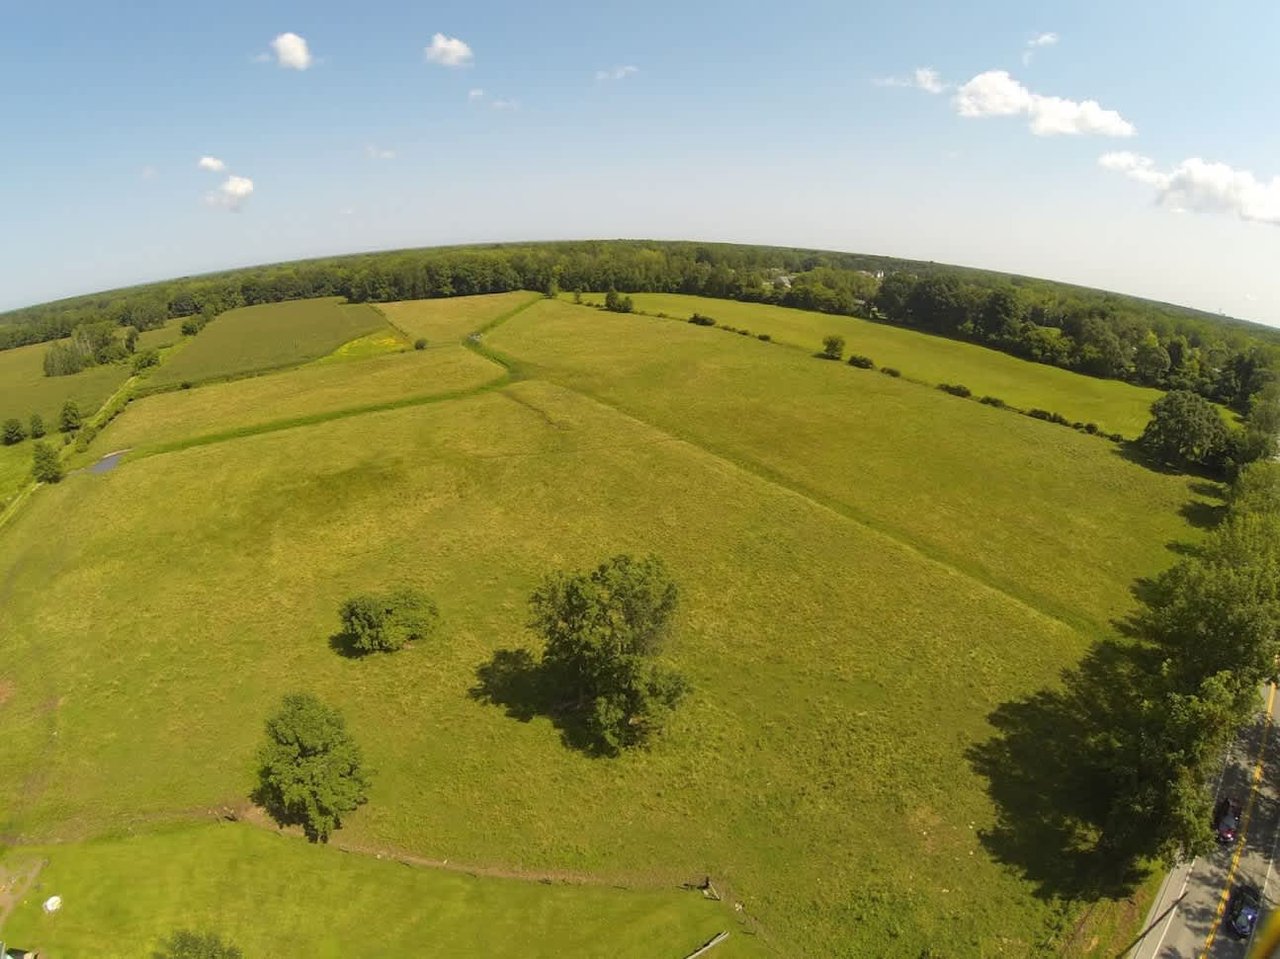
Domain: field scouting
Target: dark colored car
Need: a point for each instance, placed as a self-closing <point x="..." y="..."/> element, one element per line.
<point x="1226" y="821"/>
<point x="1242" y="911"/>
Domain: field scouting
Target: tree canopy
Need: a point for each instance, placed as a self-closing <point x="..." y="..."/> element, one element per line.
<point x="385" y="622"/>
<point x="603" y="630"/>
<point x="311" y="772"/>
<point x="1186" y="429"/>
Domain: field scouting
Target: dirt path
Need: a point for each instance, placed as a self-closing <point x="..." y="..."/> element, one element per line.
<point x="14" y="884"/>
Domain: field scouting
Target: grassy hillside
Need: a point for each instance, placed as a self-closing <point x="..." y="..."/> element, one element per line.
<point x="24" y="389"/>
<point x="268" y="337"/>
<point x="868" y="568"/>
<point x="314" y="390"/>
<point x="452" y="319"/>
<point x="122" y="896"/>
<point x="1057" y="518"/>
<point x="1115" y="406"/>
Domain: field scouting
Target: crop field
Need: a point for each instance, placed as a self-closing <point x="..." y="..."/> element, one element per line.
<point x="1057" y="518"/>
<point x="225" y="878"/>
<point x="24" y="389"/>
<point x="316" y="390"/>
<point x="452" y="319"/>
<point x="1116" y="407"/>
<point x="868" y="568"/>
<point x="267" y="337"/>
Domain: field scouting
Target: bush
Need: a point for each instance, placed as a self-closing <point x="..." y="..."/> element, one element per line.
<point x="993" y="401"/>
<point x="862" y="362"/>
<point x="890" y="371"/>
<point x="69" y="418"/>
<point x="832" y="347"/>
<point x="45" y="465"/>
<point x="1114" y="437"/>
<point x="420" y="343"/>
<point x="1039" y="414"/>
<point x="184" y="385"/>
<point x="1091" y="429"/>
<point x="700" y="319"/>
<point x="763" y="337"/>
<point x="310" y="770"/>
<point x="1059" y="419"/>
<point x="956" y="389"/>
<point x="36" y="426"/>
<point x="145" y="360"/>
<point x="385" y="623"/>
<point x="615" y="302"/>
<point x="726" y="326"/>
<point x="743" y="332"/>
<point x="191" y="945"/>
<point x="14" y="431"/>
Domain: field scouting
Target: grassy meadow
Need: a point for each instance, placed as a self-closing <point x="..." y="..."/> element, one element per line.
<point x="868" y="568"/>
<point x="123" y="896"/>
<point x="24" y="389"/>
<point x="452" y="319"/>
<point x="1116" y="407"/>
<point x="315" y="390"/>
<point x="267" y="337"/>
<point x="1057" y="518"/>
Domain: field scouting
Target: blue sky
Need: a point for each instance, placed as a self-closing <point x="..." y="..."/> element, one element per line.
<point x="802" y="124"/>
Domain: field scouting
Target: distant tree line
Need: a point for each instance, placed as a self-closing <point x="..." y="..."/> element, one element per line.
<point x="1089" y="331"/>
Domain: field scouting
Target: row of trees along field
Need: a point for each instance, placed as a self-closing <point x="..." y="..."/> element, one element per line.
<point x="1098" y="333"/>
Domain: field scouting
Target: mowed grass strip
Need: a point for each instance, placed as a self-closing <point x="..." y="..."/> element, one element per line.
<point x="1116" y="407"/>
<point x="155" y="614"/>
<point x="24" y="389"/>
<point x="452" y="318"/>
<point x="1054" y="517"/>
<point x="277" y="896"/>
<point x="220" y="408"/>
<point x="267" y="337"/>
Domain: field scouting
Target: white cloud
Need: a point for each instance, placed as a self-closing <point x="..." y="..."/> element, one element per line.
<point x="475" y="93"/>
<point x="378" y="153"/>
<point x="1199" y="186"/>
<point x="996" y="94"/>
<point x="505" y="104"/>
<point x="1039" y="40"/>
<point x="449" y="51"/>
<point x="231" y="194"/>
<point x="291" y="51"/>
<point x="617" y="73"/>
<point x="922" y="78"/>
<point x="212" y="164"/>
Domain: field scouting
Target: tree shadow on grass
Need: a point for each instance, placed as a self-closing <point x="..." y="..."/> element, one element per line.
<point x="1048" y="771"/>
<point x="520" y="683"/>
<point x="343" y="643"/>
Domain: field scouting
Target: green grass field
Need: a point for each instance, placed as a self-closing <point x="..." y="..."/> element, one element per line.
<point x="267" y="337"/>
<point x="313" y="390"/>
<point x="451" y="319"/>
<point x="1116" y="407"/>
<point x="24" y="389"/>
<point x="868" y="568"/>
<point x="1057" y="518"/>
<point x="163" y="336"/>
<point x="122" y="896"/>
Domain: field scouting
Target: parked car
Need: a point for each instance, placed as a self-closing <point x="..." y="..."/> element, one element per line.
<point x="1226" y="820"/>
<point x="1242" y="911"/>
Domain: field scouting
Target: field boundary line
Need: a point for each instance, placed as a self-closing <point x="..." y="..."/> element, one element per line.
<point x="1081" y="626"/>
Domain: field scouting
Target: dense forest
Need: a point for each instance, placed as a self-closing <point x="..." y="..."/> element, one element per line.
<point x="1090" y="331"/>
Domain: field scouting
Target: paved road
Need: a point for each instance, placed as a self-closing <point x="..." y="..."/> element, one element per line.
<point x="1186" y="920"/>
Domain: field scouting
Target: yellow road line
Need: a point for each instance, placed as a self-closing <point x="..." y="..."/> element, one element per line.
<point x="1244" y="829"/>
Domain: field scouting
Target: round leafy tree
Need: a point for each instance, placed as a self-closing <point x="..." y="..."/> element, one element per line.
<point x="45" y="465"/>
<point x="310" y="769"/>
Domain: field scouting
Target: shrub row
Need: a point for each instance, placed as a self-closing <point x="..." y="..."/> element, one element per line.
<point x="956" y="389"/>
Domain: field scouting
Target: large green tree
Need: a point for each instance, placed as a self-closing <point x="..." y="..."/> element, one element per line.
<point x="1185" y="428"/>
<point x="69" y="419"/>
<point x="603" y="631"/>
<point x="45" y="465"/>
<point x="310" y="771"/>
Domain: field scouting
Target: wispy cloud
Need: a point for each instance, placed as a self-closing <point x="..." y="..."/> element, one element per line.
<point x="291" y="51"/>
<point x="148" y="172"/>
<point x="617" y="73"/>
<point x="378" y="153"/>
<point x="475" y="93"/>
<point x="505" y="104"/>
<point x="922" y="78"/>
<point x="996" y="94"/>
<point x="1035" y="43"/>
<point x="448" y="51"/>
<point x="231" y="194"/>
<point x="1200" y="186"/>
<point x="212" y="164"/>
